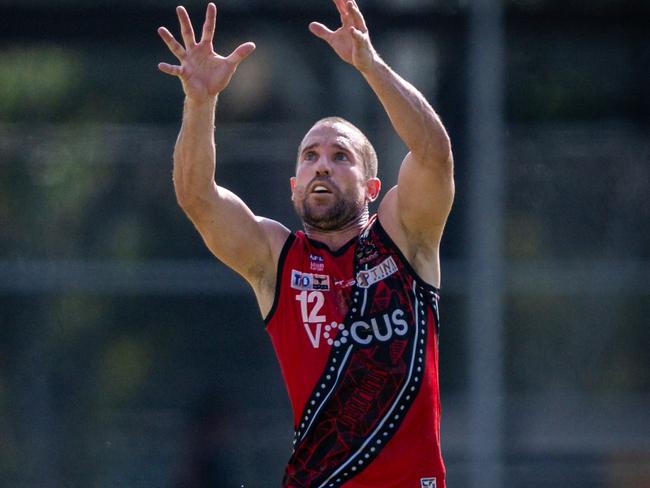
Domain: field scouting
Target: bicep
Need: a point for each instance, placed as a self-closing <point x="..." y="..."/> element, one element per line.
<point x="424" y="195"/>
<point x="235" y="235"/>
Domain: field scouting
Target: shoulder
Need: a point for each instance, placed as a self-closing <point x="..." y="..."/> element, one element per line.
<point x="420" y="249"/>
<point x="276" y="234"/>
<point x="263" y="276"/>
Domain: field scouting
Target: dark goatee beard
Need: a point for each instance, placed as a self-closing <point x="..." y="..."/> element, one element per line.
<point x="339" y="216"/>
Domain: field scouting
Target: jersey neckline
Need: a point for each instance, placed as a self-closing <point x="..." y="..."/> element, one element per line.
<point x="321" y="245"/>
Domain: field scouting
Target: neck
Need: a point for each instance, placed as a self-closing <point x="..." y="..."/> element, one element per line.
<point x="337" y="238"/>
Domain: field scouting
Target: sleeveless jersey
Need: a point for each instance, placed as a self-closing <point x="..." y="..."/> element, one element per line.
<point x="356" y="335"/>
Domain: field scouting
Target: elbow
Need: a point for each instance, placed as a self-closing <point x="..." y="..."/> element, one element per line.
<point x="185" y="198"/>
<point x="193" y="200"/>
<point x="434" y="143"/>
<point x="441" y="149"/>
<point x="439" y="141"/>
<point x="436" y="151"/>
<point x="184" y="201"/>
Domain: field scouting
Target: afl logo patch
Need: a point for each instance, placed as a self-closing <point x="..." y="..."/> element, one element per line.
<point x="316" y="262"/>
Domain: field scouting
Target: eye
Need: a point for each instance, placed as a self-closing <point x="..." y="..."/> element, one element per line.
<point x="340" y="156"/>
<point x="310" y="156"/>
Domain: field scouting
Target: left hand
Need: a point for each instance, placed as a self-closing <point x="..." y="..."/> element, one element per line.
<point x="350" y="41"/>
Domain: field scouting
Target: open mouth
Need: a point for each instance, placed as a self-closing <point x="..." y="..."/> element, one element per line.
<point x="320" y="189"/>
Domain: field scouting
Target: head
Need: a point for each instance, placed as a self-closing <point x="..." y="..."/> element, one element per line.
<point x="336" y="175"/>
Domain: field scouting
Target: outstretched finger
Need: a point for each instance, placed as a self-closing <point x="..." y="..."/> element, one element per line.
<point x="319" y="30"/>
<point x="186" y="27"/>
<point x="209" y="24"/>
<point x="342" y="7"/>
<point x="173" y="45"/>
<point x="170" y="69"/>
<point x="241" y="53"/>
<point x="357" y="18"/>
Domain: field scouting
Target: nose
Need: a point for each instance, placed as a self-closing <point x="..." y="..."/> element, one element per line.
<point x="323" y="166"/>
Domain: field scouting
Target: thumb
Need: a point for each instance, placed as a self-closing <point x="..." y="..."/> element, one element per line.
<point x="360" y="38"/>
<point x="241" y="53"/>
<point x="357" y="35"/>
<point x="319" y="30"/>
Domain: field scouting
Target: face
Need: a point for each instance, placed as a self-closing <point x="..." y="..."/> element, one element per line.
<point x="330" y="189"/>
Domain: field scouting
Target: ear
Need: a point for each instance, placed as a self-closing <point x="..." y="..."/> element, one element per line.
<point x="292" y="184"/>
<point x="373" y="186"/>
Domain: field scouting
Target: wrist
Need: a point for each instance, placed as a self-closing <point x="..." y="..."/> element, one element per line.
<point x="207" y="102"/>
<point x="372" y="65"/>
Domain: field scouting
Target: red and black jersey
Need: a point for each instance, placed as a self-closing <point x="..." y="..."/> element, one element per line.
<point x="356" y="335"/>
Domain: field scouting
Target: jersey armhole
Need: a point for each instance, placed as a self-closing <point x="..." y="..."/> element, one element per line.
<point x="389" y="240"/>
<point x="278" y="279"/>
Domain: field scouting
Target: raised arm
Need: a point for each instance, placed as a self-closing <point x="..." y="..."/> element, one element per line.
<point x="417" y="209"/>
<point x="237" y="237"/>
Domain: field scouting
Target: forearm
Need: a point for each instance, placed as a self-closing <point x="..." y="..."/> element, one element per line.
<point x="412" y="117"/>
<point x="194" y="153"/>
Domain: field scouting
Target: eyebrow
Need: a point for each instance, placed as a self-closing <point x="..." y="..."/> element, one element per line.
<point x="307" y="148"/>
<point x="335" y="144"/>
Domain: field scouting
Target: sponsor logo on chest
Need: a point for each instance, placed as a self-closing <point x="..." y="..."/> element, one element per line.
<point x="381" y="328"/>
<point x="368" y="277"/>
<point x="309" y="281"/>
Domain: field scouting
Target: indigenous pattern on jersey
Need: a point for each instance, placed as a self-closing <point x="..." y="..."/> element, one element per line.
<point x="355" y="332"/>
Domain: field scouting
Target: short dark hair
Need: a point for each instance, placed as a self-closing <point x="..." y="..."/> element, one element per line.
<point x="368" y="153"/>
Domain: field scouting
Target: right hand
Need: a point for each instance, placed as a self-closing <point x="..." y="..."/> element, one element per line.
<point x="203" y="73"/>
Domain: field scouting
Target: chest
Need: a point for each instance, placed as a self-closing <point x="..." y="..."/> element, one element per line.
<point x="321" y="288"/>
<point x="318" y="286"/>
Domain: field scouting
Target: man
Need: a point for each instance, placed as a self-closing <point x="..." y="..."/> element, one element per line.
<point x="351" y="303"/>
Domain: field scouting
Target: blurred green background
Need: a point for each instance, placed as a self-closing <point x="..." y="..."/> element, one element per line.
<point x="129" y="357"/>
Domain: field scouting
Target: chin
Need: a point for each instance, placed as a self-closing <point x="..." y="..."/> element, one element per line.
<point x="332" y="216"/>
